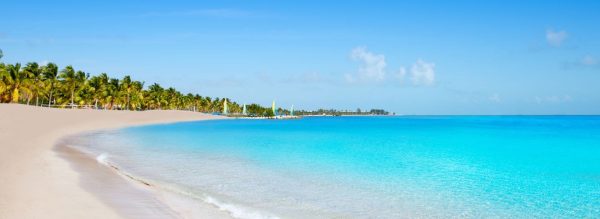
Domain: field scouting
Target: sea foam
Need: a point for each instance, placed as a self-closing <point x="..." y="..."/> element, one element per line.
<point x="102" y="159"/>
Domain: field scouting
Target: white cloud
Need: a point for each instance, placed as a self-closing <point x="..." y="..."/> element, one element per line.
<point x="423" y="73"/>
<point x="372" y="67"/>
<point x="556" y="38"/>
<point x="589" y="61"/>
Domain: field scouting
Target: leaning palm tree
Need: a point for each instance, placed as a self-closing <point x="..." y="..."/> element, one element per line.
<point x="73" y="81"/>
<point x="50" y="77"/>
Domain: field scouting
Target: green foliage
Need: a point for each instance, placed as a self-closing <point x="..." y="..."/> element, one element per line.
<point x="47" y="86"/>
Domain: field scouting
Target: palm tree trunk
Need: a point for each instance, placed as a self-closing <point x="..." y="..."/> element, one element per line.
<point x="15" y="95"/>
<point x="72" y="99"/>
<point x="50" y="99"/>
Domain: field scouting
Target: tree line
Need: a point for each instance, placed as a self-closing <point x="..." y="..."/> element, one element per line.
<point x="334" y="112"/>
<point x="47" y="85"/>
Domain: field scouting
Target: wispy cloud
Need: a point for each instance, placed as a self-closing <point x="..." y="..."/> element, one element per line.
<point x="423" y="73"/>
<point x="218" y="12"/>
<point x="556" y="38"/>
<point x="372" y="66"/>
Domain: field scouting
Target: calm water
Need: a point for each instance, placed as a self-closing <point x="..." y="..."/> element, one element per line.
<point x="372" y="167"/>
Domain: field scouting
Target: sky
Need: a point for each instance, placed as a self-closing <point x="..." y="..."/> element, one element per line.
<point x="407" y="57"/>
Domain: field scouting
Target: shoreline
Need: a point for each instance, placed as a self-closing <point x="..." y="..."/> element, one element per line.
<point x="143" y="198"/>
<point x="172" y="199"/>
<point x="39" y="182"/>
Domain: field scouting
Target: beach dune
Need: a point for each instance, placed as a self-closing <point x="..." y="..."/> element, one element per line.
<point x="36" y="182"/>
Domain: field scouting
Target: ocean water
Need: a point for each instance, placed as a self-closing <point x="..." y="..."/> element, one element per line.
<point x="370" y="167"/>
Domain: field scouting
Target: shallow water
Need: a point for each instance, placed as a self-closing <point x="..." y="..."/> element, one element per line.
<point x="371" y="167"/>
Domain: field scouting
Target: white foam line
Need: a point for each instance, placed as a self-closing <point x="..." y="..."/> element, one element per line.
<point x="102" y="159"/>
<point x="235" y="211"/>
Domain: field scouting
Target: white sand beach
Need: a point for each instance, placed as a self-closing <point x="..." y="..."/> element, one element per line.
<point x="36" y="181"/>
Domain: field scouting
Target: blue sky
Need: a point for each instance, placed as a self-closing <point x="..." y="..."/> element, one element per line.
<point x="409" y="57"/>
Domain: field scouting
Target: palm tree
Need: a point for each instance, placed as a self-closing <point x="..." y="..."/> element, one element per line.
<point x="70" y="87"/>
<point x="3" y="85"/>
<point x="72" y="81"/>
<point x="126" y="87"/>
<point x="17" y="81"/>
<point x="34" y="72"/>
<point x="50" y="77"/>
<point x="155" y="95"/>
<point x="111" y="93"/>
<point x="137" y="96"/>
<point x="97" y="85"/>
<point x="206" y="105"/>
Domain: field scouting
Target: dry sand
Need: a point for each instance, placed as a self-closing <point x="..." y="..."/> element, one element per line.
<point x="36" y="181"/>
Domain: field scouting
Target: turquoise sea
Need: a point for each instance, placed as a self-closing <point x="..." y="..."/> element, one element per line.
<point x="370" y="167"/>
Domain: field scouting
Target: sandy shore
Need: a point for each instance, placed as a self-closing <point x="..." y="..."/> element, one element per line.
<point x="36" y="181"/>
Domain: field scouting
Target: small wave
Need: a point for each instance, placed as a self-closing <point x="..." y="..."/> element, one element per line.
<point x="102" y="159"/>
<point x="237" y="211"/>
<point x="234" y="210"/>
